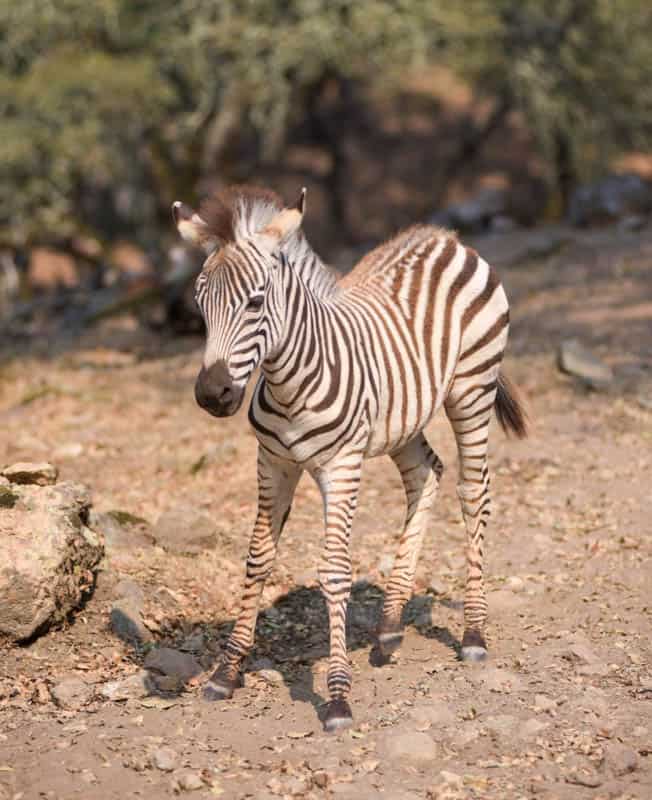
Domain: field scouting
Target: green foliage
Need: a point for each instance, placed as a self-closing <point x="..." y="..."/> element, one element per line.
<point x="109" y="109"/>
<point x="578" y="69"/>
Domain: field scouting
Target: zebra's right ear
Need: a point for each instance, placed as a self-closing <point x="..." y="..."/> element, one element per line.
<point x="285" y="223"/>
<point x="192" y="228"/>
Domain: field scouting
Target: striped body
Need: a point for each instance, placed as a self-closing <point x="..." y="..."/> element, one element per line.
<point x="393" y="336"/>
<point x="349" y="370"/>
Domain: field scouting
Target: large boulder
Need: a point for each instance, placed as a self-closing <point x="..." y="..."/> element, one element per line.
<point x="48" y="555"/>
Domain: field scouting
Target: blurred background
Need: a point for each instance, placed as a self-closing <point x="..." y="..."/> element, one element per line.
<point x="487" y="116"/>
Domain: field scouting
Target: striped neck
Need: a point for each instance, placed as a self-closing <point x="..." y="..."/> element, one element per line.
<point x="298" y="359"/>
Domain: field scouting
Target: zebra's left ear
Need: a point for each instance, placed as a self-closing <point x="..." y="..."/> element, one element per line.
<point x="284" y="224"/>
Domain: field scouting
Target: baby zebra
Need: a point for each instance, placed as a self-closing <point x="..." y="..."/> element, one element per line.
<point x="349" y="370"/>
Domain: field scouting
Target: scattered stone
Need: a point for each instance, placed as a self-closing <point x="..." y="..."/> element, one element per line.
<point x="49" y="557"/>
<point x="164" y="758"/>
<point x="588" y="778"/>
<point x="125" y="620"/>
<point x="173" y="664"/>
<point x="271" y="676"/>
<point x="501" y="724"/>
<point x="132" y="688"/>
<point x="620" y="759"/>
<point x="544" y="703"/>
<point x="411" y="747"/>
<point x="496" y="679"/>
<point x="438" y="586"/>
<point x="503" y="600"/>
<point x="531" y="728"/>
<point x="575" y="359"/>
<point x="71" y="693"/>
<point x="69" y="450"/>
<point x="515" y="584"/>
<point x="451" y="778"/>
<point x="436" y="714"/>
<point x="42" y="474"/>
<point x="195" y="643"/>
<point x="185" y="531"/>
<point x="190" y="781"/>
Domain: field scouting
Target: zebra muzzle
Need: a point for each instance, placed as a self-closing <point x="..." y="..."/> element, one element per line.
<point x="215" y="391"/>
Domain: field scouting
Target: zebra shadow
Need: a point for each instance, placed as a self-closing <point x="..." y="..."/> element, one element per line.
<point x="292" y="638"/>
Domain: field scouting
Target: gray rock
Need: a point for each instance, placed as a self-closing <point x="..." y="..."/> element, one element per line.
<point x="49" y="557"/>
<point x="575" y="359"/>
<point x="121" y="531"/>
<point x="71" y="693"/>
<point x="620" y="759"/>
<point x="173" y="663"/>
<point x="584" y="658"/>
<point x="125" y="620"/>
<point x="39" y="474"/>
<point x="610" y="198"/>
<point x="410" y="747"/>
<point x="164" y="758"/>
<point x="132" y="688"/>
<point x="185" y="531"/>
<point x="130" y="590"/>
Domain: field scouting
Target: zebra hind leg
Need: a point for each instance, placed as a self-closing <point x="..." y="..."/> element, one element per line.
<point x="276" y="485"/>
<point x="339" y="484"/>
<point x="421" y="472"/>
<point x="469" y="408"/>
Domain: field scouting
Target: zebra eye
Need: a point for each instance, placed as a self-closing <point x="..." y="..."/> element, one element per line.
<point x="255" y="302"/>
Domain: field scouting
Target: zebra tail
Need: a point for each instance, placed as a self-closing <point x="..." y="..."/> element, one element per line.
<point x="510" y="409"/>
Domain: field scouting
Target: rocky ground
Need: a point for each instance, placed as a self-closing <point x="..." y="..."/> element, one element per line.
<point x="108" y="706"/>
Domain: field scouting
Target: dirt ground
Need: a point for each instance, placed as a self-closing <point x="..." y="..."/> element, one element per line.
<point x="561" y="710"/>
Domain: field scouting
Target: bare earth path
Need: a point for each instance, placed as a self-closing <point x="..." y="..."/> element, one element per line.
<point x="562" y="710"/>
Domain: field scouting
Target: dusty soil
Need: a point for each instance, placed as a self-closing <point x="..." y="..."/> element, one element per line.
<point x="562" y="709"/>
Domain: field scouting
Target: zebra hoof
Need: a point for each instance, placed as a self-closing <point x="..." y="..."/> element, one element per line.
<point x="219" y="688"/>
<point x="390" y="642"/>
<point x="474" y="647"/>
<point x="337" y="716"/>
<point x="473" y="654"/>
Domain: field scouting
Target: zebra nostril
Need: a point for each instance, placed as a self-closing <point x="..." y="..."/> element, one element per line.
<point x="226" y="395"/>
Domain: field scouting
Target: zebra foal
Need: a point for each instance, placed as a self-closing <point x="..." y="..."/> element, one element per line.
<point x="349" y="370"/>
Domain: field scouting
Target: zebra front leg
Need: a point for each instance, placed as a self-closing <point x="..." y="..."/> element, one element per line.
<point x="421" y="471"/>
<point x="339" y="486"/>
<point x="469" y="411"/>
<point x="276" y="484"/>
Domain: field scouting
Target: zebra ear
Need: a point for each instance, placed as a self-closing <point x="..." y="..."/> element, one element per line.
<point x="285" y="223"/>
<point x="193" y="229"/>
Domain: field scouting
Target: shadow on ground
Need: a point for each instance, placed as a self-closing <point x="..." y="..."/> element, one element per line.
<point x="292" y="636"/>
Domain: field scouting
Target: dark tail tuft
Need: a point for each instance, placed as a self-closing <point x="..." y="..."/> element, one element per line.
<point x="510" y="411"/>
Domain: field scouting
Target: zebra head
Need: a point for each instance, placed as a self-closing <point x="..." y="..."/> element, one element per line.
<point x="240" y="295"/>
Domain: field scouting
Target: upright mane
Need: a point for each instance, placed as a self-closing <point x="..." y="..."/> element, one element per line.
<point x="238" y="212"/>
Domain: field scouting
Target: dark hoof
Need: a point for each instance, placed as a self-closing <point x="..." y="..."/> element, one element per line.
<point x="220" y="688"/>
<point x="388" y="640"/>
<point x="337" y="716"/>
<point x="474" y="647"/>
